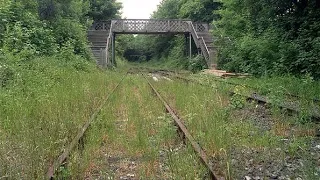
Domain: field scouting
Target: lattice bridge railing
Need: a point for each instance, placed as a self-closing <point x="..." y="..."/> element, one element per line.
<point x="101" y="26"/>
<point x="150" y="26"/>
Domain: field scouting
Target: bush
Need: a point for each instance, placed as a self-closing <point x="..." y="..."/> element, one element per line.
<point x="266" y="39"/>
<point x="6" y="74"/>
<point x="197" y="64"/>
<point x="74" y="33"/>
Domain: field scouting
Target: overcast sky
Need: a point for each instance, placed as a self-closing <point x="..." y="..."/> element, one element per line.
<point x="138" y="9"/>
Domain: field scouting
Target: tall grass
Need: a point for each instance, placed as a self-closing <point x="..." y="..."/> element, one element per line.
<point x="46" y="101"/>
<point x="305" y="86"/>
<point x="133" y="126"/>
<point x="42" y="109"/>
<point x="221" y="125"/>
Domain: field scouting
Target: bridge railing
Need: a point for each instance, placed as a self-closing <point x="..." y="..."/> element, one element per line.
<point x="101" y="26"/>
<point x="201" y="27"/>
<point x="150" y="26"/>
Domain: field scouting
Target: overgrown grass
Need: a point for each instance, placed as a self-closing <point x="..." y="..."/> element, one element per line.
<point x="203" y="110"/>
<point x="175" y="63"/>
<point x="305" y="87"/>
<point x="299" y="93"/>
<point x="133" y="127"/>
<point x="42" y="108"/>
<point x="221" y="125"/>
<point x="44" y="102"/>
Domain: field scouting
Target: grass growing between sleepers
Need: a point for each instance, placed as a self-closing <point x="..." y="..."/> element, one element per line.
<point x="45" y="104"/>
<point x="228" y="126"/>
<point x="137" y="140"/>
<point x="42" y="108"/>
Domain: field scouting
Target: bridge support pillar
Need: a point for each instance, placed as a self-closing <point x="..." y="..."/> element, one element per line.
<point x="190" y="46"/>
<point x="113" y="48"/>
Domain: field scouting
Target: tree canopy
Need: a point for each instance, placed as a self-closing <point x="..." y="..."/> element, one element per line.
<point x="104" y="9"/>
<point x="262" y="37"/>
<point x="45" y="27"/>
<point x="271" y="37"/>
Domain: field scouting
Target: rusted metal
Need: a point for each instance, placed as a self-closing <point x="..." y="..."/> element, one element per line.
<point x="290" y="106"/>
<point x="62" y="158"/>
<point x="315" y="100"/>
<point x="178" y="121"/>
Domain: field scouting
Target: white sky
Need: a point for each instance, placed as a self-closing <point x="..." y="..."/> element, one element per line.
<point x="138" y="9"/>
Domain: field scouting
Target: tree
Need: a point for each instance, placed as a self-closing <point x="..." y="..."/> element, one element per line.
<point x="270" y="36"/>
<point x="46" y="27"/>
<point x="104" y="9"/>
<point x="199" y="10"/>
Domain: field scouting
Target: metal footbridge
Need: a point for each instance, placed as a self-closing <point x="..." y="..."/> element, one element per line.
<point x="102" y="36"/>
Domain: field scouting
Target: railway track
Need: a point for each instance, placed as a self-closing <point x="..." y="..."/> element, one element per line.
<point x="186" y="136"/>
<point x="63" y="157"/>
<point x="290" y="106"/>
<point x="178" y="121"/>
<point x="268" y="91"/>
<point x="177" y="75"/>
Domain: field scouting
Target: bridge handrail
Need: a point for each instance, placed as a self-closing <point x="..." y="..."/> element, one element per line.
<point x="185" y="20"/>
<point x="194" y="33"/>
<point x="103" y="25"/>
<point x="150" y="25"/>
<point x="206" y="53"/>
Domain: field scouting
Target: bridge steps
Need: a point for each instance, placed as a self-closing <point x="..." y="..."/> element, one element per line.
<point x="209" y="42"/>
<point x="98" y="42"/>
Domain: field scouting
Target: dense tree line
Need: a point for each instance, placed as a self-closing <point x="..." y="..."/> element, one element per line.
<point x="270" y="37"/>
<point x="44" y="27"/>
<point x="56" y="29"/>
<point x="262" y="37"/>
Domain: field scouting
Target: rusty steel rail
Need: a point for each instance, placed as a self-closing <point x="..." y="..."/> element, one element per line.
<point x="62" y="158"/>
<point x="170" y="73"/>
<point x="178" y="121"/>
<point x="315" y="100"/>
<point x="290" y="106"/>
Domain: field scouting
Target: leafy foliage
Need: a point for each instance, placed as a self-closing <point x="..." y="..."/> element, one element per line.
<point x="197" y="64"/>
<point x="199" y="10"/>
<point x="270" y="37"/>
<point x="104" y="9"/>
<point x="44" y="27"/>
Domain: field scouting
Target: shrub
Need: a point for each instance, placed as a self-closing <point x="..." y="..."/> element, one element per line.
<point x="197" y="64"/>
<point x="6" y="74"/>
